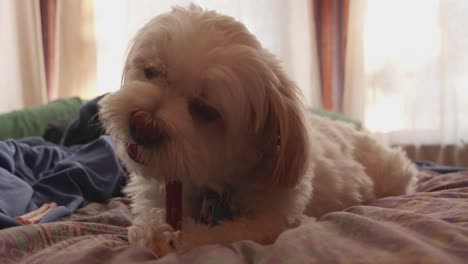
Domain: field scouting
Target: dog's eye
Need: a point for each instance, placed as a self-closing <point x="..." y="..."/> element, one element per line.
<point x="151" y="72"/>
<point x="201" y="111"/>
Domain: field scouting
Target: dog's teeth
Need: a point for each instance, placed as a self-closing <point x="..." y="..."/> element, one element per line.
<point x="138" y="152"/>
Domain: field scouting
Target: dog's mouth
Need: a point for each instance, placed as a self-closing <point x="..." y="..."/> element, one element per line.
<point x="134" y="151"/>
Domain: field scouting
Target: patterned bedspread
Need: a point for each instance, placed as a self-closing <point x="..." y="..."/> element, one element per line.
<point x="430" y="226"/>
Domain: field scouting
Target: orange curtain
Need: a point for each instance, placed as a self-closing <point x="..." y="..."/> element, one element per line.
<point x="48" y="23"/>
<point x="331" y="18"/>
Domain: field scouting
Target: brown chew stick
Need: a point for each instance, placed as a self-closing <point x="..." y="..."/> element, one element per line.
<point x="36" y="216"/>
<point x="174" y="204"/>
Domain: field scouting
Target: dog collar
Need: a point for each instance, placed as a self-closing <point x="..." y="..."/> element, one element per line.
<point x="214" y="208"/>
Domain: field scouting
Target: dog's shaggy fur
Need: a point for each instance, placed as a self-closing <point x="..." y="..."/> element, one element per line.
<point x="230" y="120"/>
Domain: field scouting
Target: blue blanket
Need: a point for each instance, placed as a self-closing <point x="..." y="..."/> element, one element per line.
<point x="34" y="172"/>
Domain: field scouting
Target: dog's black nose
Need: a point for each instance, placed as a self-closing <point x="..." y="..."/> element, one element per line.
<point x="145" y="130"/>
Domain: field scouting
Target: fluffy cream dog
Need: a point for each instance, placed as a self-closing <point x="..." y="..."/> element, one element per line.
<point x="204" y="105"/>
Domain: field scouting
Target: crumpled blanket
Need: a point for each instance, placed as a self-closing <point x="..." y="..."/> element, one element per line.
<point x="34" y="172"/>
<point x="429" y="226"/>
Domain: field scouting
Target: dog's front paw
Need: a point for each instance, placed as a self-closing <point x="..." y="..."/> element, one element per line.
<point x="162" y="239"/>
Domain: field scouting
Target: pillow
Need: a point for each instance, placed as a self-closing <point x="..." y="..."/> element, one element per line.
<point x="34" y="120"/>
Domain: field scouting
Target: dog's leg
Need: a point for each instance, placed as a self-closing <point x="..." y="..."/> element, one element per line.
<point x="263" y="230"/>
<point x="149" y="228"/>
<point x="389" y="168"/>
<point x="164" y="240"/>
<point x="160" y="238"/>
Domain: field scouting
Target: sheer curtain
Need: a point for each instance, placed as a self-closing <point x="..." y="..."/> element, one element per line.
<point x="21" y="64"/>
<point x="75" y="49"/>
<point x="284" y="27"/>
<point x="407" y="70"/>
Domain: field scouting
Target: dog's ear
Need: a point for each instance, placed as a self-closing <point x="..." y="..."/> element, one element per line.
<point x="286" y="129"/>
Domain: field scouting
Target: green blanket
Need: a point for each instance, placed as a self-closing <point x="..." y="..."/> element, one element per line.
<point x="34" y="120"/>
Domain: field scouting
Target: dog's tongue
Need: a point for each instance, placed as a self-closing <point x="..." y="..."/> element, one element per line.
<point x="134" y="150"/>
<point x="174" y="204"/>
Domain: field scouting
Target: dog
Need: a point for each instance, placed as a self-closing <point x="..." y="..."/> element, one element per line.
<point x="205" y="106"/>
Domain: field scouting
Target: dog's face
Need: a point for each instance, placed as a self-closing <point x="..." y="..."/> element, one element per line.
<point x="202" y="102"/>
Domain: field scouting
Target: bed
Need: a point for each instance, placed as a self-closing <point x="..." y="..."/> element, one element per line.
<point x="428" y="226"/>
